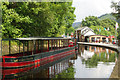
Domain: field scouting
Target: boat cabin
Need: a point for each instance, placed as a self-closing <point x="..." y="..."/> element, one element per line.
<point x="24" y="46"/>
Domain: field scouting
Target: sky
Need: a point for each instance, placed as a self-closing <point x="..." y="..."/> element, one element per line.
<point x="85" y="8"/>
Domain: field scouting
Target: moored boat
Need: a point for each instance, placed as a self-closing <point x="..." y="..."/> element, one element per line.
<point x="34" y="51"/>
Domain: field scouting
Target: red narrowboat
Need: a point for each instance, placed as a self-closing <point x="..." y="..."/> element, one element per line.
<point x="24" y="52"/>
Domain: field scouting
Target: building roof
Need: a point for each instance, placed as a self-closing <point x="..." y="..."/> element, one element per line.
<point x="86" y="31"/>
<point x="85" y="27"/>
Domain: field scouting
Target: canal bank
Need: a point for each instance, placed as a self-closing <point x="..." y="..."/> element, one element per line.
<point x="116" y="70"/>
<point x="111" y="46"/>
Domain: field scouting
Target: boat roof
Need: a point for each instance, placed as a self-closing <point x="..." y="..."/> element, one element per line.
<point x="36" y="38"/>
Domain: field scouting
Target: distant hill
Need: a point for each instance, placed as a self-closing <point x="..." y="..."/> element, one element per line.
<point x="76" y="25"/>
<point x="107" y="16"/>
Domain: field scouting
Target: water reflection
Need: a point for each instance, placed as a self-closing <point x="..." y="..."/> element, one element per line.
<point x="94" y="62"/>
<point x="49" y="72"/>
<point x="68" y="73"/>
<point x="92" y="55"/>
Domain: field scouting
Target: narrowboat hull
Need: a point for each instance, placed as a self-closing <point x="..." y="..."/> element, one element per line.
<point x="18" y="72"/>
<point x="39" y="59"/>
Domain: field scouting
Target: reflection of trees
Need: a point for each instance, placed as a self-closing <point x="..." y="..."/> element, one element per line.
<point x="102" y="57"/>
<point x="68" y="73"/>
<point x="92" y="62"/>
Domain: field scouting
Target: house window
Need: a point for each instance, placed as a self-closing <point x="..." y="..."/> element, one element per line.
<point x="93" y="39"/>
<point x="104" y="39"/>
<point x="98" y="37"/>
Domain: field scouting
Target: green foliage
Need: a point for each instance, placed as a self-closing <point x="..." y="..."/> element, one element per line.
<point x="90" y="21"/>
<point x="96" y="30"/>
<point x="108" y="23"/>
<point x="116" y="7"/>
<point x="93" y="62"/>
<point x="118" y="33"/>
<point x="68" y="73"/>
<point x="100" y="30"/>
<point x="102" y="57"/>
<point x="107" y="16"/>
<point x="99" y="25"/>
<point x="45" y="19"/>
<point x="70" y="30"/>
<point x="64" y="17"/>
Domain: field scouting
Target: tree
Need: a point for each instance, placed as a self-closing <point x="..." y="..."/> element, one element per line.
<point x="70" y="30"/>
<point x="64" y="16"/>
<point x="100" y="30"/>
<point x="28" y="19"/>
<point x="99" y="26"/>
<point x="90" y="21"/>
<point x="108" y="23"/>
<point x="116" y="7"/>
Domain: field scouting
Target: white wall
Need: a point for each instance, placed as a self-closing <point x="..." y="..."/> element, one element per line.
<point x="89" y="33"/>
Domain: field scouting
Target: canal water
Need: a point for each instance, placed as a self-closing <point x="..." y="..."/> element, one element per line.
<point x="88" y="62"/>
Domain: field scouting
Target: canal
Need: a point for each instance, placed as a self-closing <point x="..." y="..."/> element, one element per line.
<point x="87" y="62"/>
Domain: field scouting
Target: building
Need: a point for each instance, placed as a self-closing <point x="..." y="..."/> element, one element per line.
<point x="83" y="33"/>
<point x="86" y="34"/>
<point x="97" y="38"/>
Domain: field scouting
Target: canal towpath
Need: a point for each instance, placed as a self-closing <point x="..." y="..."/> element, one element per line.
<point x="113" y="46"/>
